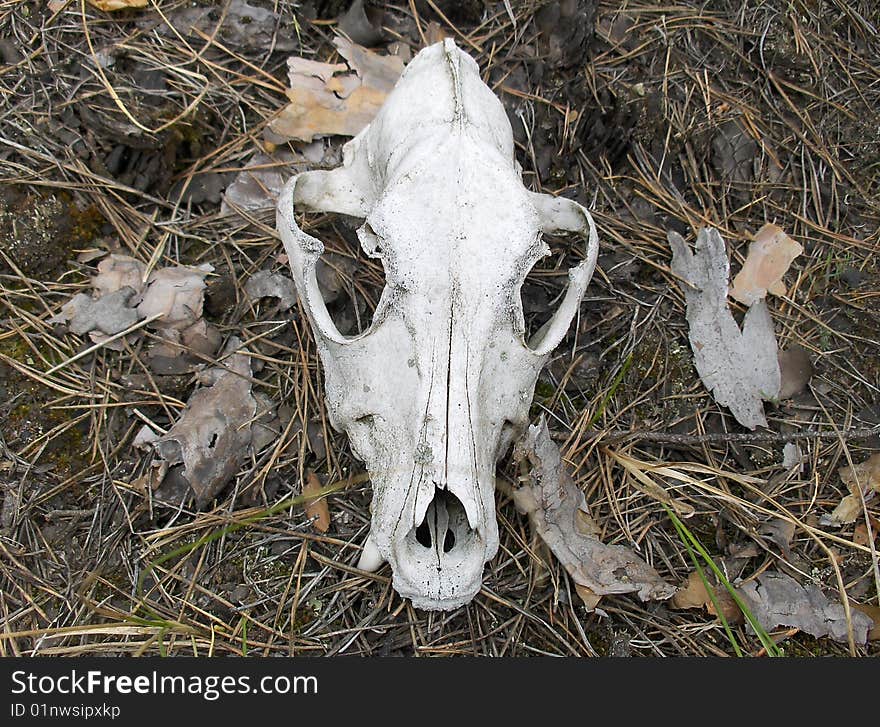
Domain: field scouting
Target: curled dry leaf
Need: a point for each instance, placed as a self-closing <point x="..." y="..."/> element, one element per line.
<point x="359" y="27"/>
<point x="792" y="457"/>
<point x="145" y="438"/>
<point x="317" y="509"/>
<point x="177" y="294"/>
<point x="335" y="98"/>
<point x="213" y="436"/>
<point x="201" y="338"/>
<point x="267" y="426"/>
<point x="734" y="152"/>
<point x="119" y="271"/>
<point x="110" y="309"/>
<point x="873" y="613"/>
<point x="90" y="254"/>
<point x="864" y="536"/>
<point x="180" y="351"/>
<point x="770" y="255"/>
<point x="740" y="368"/>
<point x="557" y="511"/>
<point x="109" y="314"/>
<point x="864" y="476"/>
<point x="776" y="599"/>
<point x="120" y="299"/>
<point x="780" y="532"/>
<point x="266" y="284"/>
<point x="847" y="511"/>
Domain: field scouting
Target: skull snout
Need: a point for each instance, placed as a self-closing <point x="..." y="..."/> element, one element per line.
<point x="440" y="556"/>
<point x="444" y="526"/>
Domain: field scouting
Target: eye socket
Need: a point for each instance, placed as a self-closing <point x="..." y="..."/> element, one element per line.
<point x="539" y="299"/>
<point x="543" y="291"/>
<point x="349" y="281"/>
<point x="558" y="214"/>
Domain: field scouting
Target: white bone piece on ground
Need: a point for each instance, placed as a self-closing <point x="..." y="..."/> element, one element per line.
<point x="432" y="394"/>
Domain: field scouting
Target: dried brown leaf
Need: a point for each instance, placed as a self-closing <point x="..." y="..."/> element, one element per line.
<point x="862" y="536"/>
<point x="795" y="371"/>
<point x="771" y="253"/>
<point x="335" y="98"/>
<point x="694" y="595"/>
<point x="359" y="27"/>
<point x="180" y="351"/>
<point x="734" y="151"/>
<point x="88" y="255"/>
<point x="257" y="185"/>
<point x="145" y="437"/>
<point x="847" y="511"/>
<point x="177" y="294"/>
<point x="792" y="457"/>
<point x="109" y="314"/>
<point x="119" y="271"/>
<point x="865" y="475"/>
<point x="212" y="437"/>
<point x="780" y="532"/>
<point x="317" y="509"/>
<point x="590" y="599"/>
<point x="873" y="613"/>
<point x="556" y="510"/>
<point x="267" y="426"/>
<point x="266" y="284"/>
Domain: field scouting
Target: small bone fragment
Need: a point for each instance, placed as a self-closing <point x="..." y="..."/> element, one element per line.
<point x="371" y="560"/>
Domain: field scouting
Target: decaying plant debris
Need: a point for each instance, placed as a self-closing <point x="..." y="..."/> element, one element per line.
<point x="770" y="255"/>
<point x="215" y="434"/>
<point x="741" y="368"/>
<point x="863" y="482"/>
<point x="779" y="600"/>
<point x="559" y="515"/>
<point x="656" y="116"/>
<point x="337" y="98"/>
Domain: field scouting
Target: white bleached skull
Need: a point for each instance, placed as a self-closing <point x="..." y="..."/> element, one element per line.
<point x="432" y="394"/>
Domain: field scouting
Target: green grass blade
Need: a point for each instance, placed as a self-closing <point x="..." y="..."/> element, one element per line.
<point x="769" y="645"/>
<point x="709" y="589"/>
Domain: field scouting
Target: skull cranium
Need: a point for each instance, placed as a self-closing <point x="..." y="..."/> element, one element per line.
<point x="439" y="385"/>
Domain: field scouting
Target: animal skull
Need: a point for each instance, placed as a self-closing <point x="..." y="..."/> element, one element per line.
<point x="433" y="393"/>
